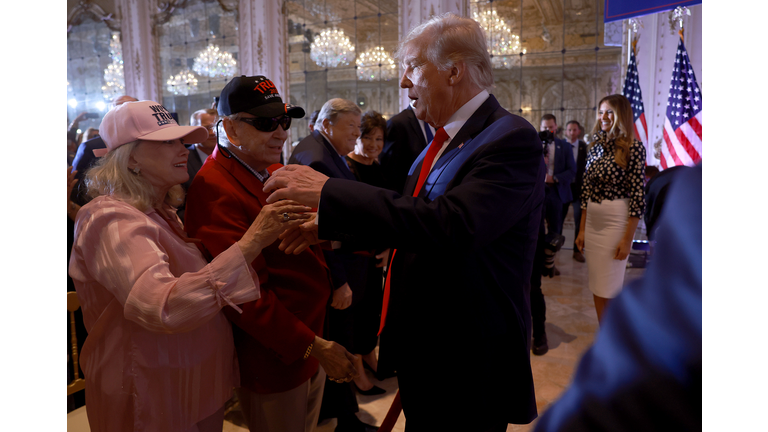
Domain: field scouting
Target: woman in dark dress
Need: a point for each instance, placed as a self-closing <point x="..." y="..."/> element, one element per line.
<point x="363" y="162"/>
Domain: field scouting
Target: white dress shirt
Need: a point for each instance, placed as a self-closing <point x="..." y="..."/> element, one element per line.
<point x="457" y="120"/>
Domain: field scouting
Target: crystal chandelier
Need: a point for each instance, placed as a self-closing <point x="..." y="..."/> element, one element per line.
<point x="183" y="83"/>
<point x="331" y="48"/>
<point x="113" y="74"/>
<point x="213" y="62"/>
<point x="503" y="45"/>
<point x="376" y="64"/>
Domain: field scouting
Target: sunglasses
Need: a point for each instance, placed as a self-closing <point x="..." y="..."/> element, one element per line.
<point x="268" y="124"/>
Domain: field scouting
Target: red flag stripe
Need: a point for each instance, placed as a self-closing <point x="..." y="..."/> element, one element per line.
<point x="686" y="144"/>
<point x="680" y="152"/>
<point x="671" y="150"/>
<point x="696" y="125"/>
<point x="693" y="139"/>
<point x="645" y="126"/>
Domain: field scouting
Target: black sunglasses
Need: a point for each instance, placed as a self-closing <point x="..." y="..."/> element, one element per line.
<point x="268" y="124"/>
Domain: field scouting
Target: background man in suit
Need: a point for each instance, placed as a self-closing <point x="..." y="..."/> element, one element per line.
<point x="199" y="152"/>
<point x="406" y="136"/>
<point x="277" y="337"/>
<point x="456" y="308"/>
<point x="312" y="120"/>
<point x="334" y="135"/>
<point x="573" y="134"/>
<point x="561" y="171"/>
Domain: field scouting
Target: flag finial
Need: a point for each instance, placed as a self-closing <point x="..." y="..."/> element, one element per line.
<point x="634" y="25"/>
<point x="676" y="19"/>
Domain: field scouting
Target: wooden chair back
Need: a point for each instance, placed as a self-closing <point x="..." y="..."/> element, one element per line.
<point x="77" y="383"/>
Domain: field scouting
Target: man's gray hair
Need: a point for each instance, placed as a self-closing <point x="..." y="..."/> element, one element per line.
<point x="447" y="39"/>
<point x="194" y="119"/>
<point x="334" y="107"/>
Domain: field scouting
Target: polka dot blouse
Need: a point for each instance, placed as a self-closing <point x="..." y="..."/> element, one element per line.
<point x="605" y="180"/>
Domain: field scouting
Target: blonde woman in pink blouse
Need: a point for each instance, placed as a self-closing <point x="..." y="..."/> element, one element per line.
<point x="159" y="354"/>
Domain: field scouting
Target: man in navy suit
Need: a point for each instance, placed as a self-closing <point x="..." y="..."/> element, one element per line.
<point x="573" y="134"/>
<point x="407" y="137"/>
<point x="457" y="315"/>
<point x="334" y="135"/>
<point x="199" y="152"/>
<point x="561" y="171"/>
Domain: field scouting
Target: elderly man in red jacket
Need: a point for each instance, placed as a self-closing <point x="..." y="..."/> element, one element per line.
<point x="278" y="336"/>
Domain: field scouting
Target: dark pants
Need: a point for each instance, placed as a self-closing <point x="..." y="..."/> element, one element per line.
<point x="368" y="311"/>
<point x="538" y="306"/>
<point x="339" y="399"/>
<point x="469" y="404"/>
<point x="576" y="204"/>
<point x="553" y="209"/>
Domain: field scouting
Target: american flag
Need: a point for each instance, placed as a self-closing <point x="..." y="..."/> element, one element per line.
<point x="632" y="92"/>
<point x="682" y="127"/>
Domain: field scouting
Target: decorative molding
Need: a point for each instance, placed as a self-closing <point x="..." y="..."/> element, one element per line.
<point x="84" y="9"/>
<point x="165" y="10"/>
<point x="140" y="59"/>
<point x="138" y="67"/>
<point x="260" y="50"/>
<point x="229" y="5"/>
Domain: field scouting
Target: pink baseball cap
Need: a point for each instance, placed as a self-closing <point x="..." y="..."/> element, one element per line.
<point x="146" y="120"/>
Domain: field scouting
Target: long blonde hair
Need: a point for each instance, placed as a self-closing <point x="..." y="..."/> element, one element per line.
<point x="622" y="130"/>
<point x="111" y="176"/>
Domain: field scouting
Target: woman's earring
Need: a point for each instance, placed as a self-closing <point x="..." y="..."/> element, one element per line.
<point x="136" y="171"/>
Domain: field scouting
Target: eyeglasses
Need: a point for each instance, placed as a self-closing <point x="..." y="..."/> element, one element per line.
<point x="268" y="124"/>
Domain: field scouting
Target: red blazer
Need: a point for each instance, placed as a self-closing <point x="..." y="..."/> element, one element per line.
<point x="273" y="333"/>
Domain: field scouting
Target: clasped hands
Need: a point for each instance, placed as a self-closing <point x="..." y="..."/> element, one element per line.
<point x="303" y="185"/>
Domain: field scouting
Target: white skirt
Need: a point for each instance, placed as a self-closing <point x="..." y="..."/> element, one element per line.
<point x="606" y="225"/>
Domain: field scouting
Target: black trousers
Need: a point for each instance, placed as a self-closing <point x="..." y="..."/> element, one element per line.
<point x="339" y="399"/>
<point x="538" y="306"/>
<point x="553" y="209"/>
<point x="368" y="311"/>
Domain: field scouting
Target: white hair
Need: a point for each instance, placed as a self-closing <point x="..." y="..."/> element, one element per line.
<point x="336" y="106"/>
<point x="448" y="39"/>
<point x="194" y="119"/>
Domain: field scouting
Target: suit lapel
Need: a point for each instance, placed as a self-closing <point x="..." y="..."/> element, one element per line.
<point x="194" y="159"/>
<point x="340" y="163"/>
<point x="416" y="127"/>
<point x="476" y="123"/>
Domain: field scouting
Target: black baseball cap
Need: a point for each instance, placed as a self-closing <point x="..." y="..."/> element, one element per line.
<point x="255" y="95"/>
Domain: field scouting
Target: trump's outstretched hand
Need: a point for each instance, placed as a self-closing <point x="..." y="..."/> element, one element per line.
<point x="296" y="182"/>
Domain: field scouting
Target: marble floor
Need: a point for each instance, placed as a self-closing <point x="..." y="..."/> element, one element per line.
<point x="571" y="327"/>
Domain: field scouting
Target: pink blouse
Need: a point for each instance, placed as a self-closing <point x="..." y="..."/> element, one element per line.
<point x="159" y="354"/>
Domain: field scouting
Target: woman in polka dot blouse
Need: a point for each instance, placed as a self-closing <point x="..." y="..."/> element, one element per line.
<point x="612" y="199"/>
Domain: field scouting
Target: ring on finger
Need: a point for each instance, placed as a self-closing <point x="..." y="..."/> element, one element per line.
<point x="286" y="217"/>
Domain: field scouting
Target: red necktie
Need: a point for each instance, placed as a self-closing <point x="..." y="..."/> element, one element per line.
<point x="426" y="167"/>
